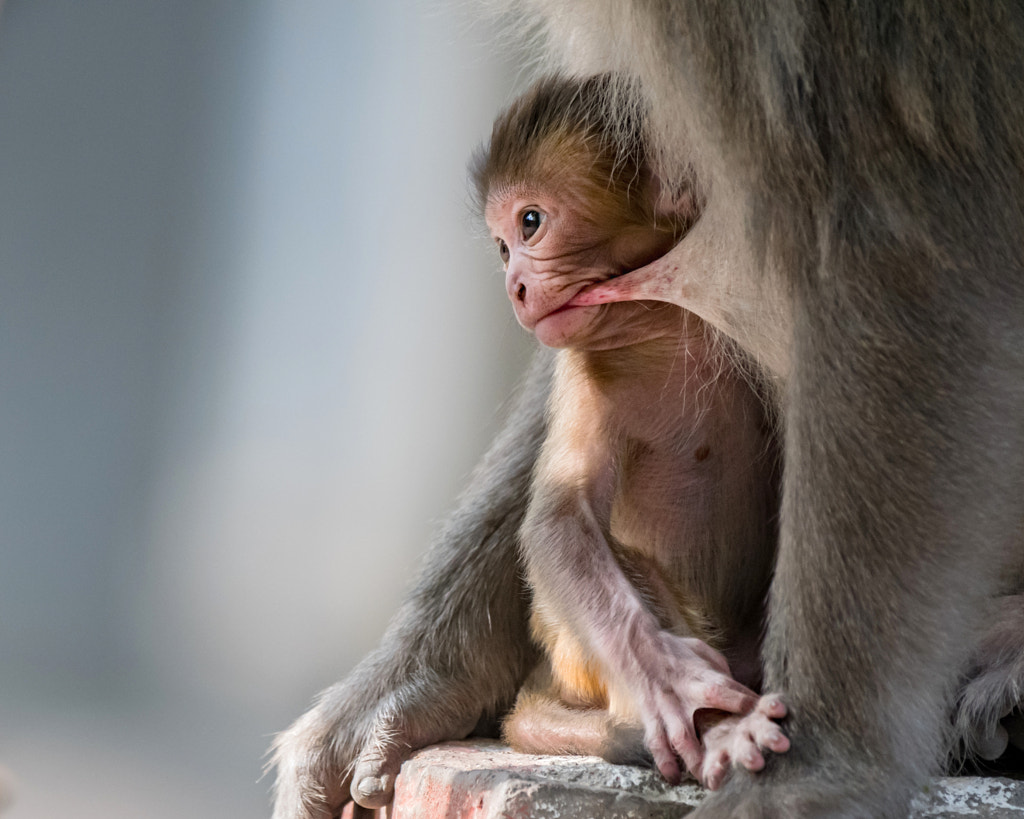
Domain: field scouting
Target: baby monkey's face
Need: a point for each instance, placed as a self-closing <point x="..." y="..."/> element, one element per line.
<point x="553" y="247"/>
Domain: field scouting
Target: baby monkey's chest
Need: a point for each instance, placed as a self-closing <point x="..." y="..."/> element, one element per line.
<point x="665" y="495"/>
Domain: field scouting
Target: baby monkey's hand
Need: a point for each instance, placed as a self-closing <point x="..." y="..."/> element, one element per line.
<point x="730" y="740"/>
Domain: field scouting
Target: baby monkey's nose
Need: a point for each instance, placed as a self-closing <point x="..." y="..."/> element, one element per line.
<point x="521" y="292"/>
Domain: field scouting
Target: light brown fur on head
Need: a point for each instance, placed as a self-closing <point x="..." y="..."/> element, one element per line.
<point x="571" y="134"/>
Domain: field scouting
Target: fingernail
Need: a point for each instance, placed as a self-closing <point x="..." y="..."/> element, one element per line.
<point x="370" y="784"/>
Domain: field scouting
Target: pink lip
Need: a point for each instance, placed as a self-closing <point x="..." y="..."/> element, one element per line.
<point x="565" y="306"/>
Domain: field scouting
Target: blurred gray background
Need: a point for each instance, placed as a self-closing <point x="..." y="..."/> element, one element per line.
<point x="251" y="342"/>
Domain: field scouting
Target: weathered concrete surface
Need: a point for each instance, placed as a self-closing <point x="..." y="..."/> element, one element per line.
<point x="485" y="780"/>
<point x="971" y="797"/>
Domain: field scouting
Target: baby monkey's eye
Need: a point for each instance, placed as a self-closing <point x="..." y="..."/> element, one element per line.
<point x="531" y="221"/>
<point x="503" y="250"/>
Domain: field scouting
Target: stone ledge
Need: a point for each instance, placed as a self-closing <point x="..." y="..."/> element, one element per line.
<point x="482" y="779"/>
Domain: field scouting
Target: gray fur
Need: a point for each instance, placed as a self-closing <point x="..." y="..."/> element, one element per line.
<point x="871" y="155"/>
<point x="874" y="154"/>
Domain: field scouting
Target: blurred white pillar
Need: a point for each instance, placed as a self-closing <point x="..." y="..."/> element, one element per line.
<point x="325" y="413"/>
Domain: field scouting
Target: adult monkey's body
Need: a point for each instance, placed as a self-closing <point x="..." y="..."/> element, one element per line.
<point x="865" y="172"/>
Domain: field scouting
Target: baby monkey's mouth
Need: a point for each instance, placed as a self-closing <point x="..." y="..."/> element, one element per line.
<point x="571" y="303"/>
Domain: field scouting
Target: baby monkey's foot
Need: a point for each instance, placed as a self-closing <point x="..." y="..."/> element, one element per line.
<point x="739" y="740"/>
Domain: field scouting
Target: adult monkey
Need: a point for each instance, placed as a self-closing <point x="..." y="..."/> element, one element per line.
<point x="865" y="167"/>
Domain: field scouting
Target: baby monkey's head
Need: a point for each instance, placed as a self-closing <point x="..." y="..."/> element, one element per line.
<point x="570" y="197"/>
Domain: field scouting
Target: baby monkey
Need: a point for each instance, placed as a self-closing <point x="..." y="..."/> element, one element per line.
<point x="650" y="536"/>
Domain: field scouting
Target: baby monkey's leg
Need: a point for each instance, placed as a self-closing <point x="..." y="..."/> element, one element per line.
<point x="542" y="722"/>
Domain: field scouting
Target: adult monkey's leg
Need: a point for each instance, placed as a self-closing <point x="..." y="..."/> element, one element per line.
<point x="454" y="655"/>
<point x="904" y="417"/>
<point x="903" y="483"/>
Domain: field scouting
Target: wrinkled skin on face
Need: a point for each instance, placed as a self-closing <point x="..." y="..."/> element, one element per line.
<point x="552" y="251"/>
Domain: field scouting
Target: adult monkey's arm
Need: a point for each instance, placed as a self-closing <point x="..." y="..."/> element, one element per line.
<point x="454" y="655"/>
